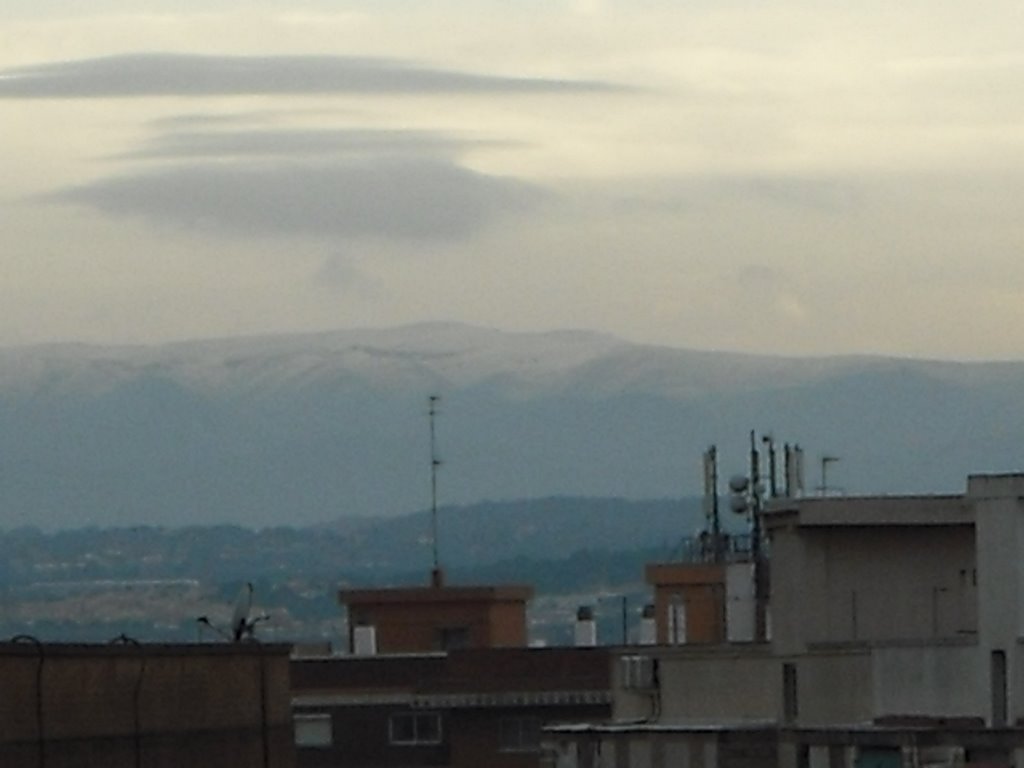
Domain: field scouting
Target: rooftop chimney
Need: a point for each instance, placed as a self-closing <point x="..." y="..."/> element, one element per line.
<point x="364" y="640"/>
<point x="585" y="635"/>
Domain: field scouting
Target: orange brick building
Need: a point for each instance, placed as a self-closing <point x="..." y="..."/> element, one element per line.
<point x="441" y="676"/>
<point x="689" y="602"/>
<point x="436" y="618"/>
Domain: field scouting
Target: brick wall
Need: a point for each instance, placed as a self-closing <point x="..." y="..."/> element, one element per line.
<point x="72" y="700"/>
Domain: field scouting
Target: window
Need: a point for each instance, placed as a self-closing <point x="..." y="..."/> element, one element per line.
<point x="519" y="734"/>
<point x="313" y="730"/>
<point x="415" y="728"/>
<point x="790" y="693"/>
<point x="453" y="638"/>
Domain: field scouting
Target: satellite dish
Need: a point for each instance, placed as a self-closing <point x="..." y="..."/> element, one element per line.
<point x="738" y="483"/>
<point x="738" y="504"/>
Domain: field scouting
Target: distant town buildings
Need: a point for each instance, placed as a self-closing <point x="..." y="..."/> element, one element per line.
<point x="442" y="676"/>
<point x="889" y="634"/>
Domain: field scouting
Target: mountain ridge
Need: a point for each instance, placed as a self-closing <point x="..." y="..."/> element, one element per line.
<point x="317" y="426"/>
<point x="430" y="345"/>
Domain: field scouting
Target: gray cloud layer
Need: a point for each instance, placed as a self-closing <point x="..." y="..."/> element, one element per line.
<point x="189" y="75"/>
<point x="297" y="142"/>
<point x="396" y="197"/>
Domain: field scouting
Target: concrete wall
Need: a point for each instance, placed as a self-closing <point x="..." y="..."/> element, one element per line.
<point x="725" y="686"/>
<point x="929" y="681"/>
<point x="747" y="684"/>
<point x="844" y="583"/>
<point x="740" y="603"/>
<point x="840" y="685"/>
<point x="834" y="687"/>
<point x="999" y="514"/>
<point x="788" y="590"/>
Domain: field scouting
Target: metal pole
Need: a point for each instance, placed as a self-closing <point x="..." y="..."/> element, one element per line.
<point x="716" y="524"/>
<point x="625" y="634"/>
<point x="755" y="497"/>
<point x="434" y="464"/>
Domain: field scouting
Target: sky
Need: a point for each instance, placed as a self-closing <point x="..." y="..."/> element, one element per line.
<point x="787" y="177"/>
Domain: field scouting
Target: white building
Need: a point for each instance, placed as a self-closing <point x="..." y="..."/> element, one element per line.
<point x="897" y="637"/>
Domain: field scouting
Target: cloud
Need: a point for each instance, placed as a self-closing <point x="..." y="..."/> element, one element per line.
<point x="796" y="193"/>
<point x="140" y="75"/>
<point x="762" y="276"/>
<point x="398" y="197"/>
<point x="825" y="195"/>
<point x="298" y="142"/>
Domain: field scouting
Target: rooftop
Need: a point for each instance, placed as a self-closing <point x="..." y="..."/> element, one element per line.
<point x="870" y="511"/>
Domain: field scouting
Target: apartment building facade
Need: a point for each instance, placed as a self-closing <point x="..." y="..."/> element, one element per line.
<point x="441" y="676"/>
<point x="897" y="629"/>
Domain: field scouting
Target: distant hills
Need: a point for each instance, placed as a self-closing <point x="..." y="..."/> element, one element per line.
<point x="299" y="430"/>
<point x="359" y="551"/>
<point x="152" y="583"/>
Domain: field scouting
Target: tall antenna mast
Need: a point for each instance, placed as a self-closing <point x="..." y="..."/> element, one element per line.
<point x="435" y="575"/>
<point x="712" y="521"/>
<point x="760" y="581"/>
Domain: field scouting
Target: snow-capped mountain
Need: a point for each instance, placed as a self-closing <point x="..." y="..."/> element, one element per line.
<point x="299" y="429"/>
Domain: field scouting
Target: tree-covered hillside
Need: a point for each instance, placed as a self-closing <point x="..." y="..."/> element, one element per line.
<point x="96" y="583"/>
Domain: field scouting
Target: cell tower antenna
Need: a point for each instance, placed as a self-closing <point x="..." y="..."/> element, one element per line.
<point x="713" y="527"/>
<point x="825" y="461"/>
<point x="434" y="464"/>
<point x="773" y="489"/>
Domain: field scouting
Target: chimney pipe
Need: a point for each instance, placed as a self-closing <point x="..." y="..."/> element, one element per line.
<point x="585" y="635"/>
<point x="364" y="640"/>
